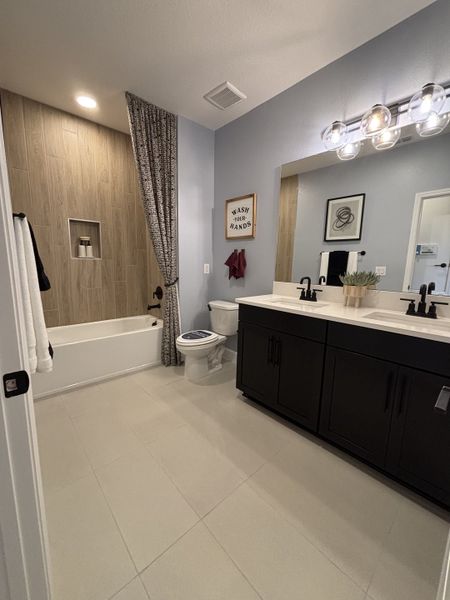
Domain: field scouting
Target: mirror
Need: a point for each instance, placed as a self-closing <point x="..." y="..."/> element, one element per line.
<point x="385" y="211"/>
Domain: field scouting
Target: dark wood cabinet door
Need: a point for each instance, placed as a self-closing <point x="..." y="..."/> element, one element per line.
<point x="357" y="403"/>
<point x="257" y="374"/>
<point x="419" y="449"/>
<point x="300" y="364"/>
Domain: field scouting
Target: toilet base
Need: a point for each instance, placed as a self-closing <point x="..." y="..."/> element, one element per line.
<point x="197" y="368"/>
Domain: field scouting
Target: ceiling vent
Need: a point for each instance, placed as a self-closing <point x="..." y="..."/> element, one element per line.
<point x="224" y="95"/>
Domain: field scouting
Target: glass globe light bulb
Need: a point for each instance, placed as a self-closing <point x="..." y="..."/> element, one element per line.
<point x="349" y="151"/>
<point x="375" y="120"/>
<point x="335" y="135"/>
<point x="434" y="125"/>
<point x="430" y="99"/>
<point x="387" y="138"/>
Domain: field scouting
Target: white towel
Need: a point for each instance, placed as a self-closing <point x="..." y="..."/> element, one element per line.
<point x="37" y="337"/>
<point x="26" y="300"/>
<point x="324" y="259"/>
<point x="352" y="262"/>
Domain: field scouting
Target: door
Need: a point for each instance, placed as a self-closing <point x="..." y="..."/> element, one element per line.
<point x="419" y="449"/>
<point x="24" y="570"/>
<point x="300" y="378"/>
<point x="357" y="403"/>
<point x="257" y="374"/>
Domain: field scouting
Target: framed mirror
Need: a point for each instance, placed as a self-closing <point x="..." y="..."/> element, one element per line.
<point x="385" y="211"/>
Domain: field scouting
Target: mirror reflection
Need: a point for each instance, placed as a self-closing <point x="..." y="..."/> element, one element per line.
<point x="386" y="211"/>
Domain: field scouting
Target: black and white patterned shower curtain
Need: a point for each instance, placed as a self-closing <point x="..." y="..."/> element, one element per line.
<point x="154" y="136"/>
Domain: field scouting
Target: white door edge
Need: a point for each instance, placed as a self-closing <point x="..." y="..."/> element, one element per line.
<point x="23" y="530"/>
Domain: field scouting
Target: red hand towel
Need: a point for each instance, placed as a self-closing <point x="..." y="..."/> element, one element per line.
<point x="232" y="264"/>
<point x="241" y="265"/>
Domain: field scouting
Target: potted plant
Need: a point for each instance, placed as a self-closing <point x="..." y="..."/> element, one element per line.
<point x="356" y="285"/>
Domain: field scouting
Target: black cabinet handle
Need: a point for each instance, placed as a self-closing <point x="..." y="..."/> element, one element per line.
<point x="443" y="400"/>
<point x="389" y="389"/>
<point x="270" y="350"/>
<point x="277" y="353"/>
<point x="402" y="396"/>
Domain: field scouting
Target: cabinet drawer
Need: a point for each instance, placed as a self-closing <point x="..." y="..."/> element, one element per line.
<point x="299" y="325"/>
<point x="417" y="353"/>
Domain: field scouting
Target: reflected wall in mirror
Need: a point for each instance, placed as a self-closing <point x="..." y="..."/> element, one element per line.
<point x="406" y="226"/>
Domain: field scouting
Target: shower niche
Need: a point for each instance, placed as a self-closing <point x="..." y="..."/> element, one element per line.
<point x="85" y="239"/>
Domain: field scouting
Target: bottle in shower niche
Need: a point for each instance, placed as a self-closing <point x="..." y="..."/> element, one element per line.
<point x="89" y="251"/>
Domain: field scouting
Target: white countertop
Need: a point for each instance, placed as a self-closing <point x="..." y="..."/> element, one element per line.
<point x="436" y="330"/>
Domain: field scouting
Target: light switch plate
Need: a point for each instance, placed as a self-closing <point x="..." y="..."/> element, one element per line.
<point x="380" y="271"/>
<point x="206" y="268"/>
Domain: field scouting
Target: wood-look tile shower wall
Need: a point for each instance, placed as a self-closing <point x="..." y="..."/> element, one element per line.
<point x="60" y="167"/>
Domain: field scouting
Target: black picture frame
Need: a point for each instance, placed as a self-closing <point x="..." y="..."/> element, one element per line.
<point x="331" y="219"/>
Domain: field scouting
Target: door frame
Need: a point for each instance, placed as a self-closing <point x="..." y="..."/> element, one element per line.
<point x="23" y="528"/>
<point x="416" y="217"/>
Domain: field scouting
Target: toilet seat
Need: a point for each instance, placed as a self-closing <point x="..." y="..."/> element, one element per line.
<point x="197" y="337"/>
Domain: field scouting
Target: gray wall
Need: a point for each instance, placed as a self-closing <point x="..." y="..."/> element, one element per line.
<point x="195" y="207"/>
<point x="250" y="150"/>
<point x="390" y="180"/>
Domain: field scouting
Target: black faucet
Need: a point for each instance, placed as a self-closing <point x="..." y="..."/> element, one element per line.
<point x="322" y="279"/>
<point x="305" y="295"/>
<point x="422" y="304"/>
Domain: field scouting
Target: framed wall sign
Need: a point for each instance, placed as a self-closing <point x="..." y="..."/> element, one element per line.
<point x="344" y="218"/>
<point x="240" y="217"/>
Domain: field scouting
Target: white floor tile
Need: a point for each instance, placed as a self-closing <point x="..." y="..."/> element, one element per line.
<point x="104" y="437"/>
<point x="196" y="568"/>
<point x="201" y="473"/>
<point x="345" y="512"/>
<point x="150" y="511"/>
<point x="279" y="562"/>
<point x="410" y="564"/>
<point x="61" y="453"/>
<point x="84" y="400"/>
<point x="152" y="378"/>
<point x="89" y="559"/>
<point x="133" y="591"/>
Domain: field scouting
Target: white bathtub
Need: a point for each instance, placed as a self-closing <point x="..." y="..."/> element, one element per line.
<point x="91" y="352"/>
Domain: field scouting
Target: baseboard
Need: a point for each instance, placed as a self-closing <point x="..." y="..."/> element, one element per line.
<point x="81" y="384"/>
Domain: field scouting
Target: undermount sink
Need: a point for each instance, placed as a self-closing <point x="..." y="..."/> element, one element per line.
<point x="303" y="305"/>
<point x="418" y="322"/>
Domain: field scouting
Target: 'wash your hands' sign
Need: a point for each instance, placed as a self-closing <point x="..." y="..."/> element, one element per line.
<point x="240" y="217"/>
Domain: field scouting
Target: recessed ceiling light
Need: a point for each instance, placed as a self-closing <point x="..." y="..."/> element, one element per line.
<point x="86" y="101"/>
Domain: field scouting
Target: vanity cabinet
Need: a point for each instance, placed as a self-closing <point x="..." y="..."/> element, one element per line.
<point x="357" y="404"/>
<point x="370" y="392"/>
<point x="282" y="370"/>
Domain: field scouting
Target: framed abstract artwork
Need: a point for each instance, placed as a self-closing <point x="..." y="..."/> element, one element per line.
<point x="344" y="218"/>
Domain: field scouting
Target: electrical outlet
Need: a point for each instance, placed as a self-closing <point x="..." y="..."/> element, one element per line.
<point x="380" y="271"/>
<point x="206" y="268"/>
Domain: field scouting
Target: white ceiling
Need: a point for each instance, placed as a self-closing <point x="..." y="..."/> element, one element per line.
<point x="171" y="52"/>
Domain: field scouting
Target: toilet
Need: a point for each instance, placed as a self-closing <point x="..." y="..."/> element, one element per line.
<point x="203" y="349"/>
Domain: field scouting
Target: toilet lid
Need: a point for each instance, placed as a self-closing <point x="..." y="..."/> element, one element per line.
<point x="197" y="337"/>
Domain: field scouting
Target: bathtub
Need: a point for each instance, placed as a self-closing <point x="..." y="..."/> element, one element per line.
<point x="91" y="352"/>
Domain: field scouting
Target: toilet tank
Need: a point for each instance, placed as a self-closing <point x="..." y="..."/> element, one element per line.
<point x="224" y="317"/>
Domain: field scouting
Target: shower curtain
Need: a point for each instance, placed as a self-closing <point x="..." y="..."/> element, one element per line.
<point x="154" y="137"/>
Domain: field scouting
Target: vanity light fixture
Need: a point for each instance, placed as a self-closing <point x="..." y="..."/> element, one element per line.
<point x="429" y="100"/>
<point x="86" y="101"/>
<point x="433" y="125"/>
<point x="376" y="120"/>
<point x="349" y="151"/>
<point x="387" y="138"/>
<point x="335" y="135"/>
